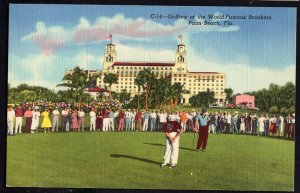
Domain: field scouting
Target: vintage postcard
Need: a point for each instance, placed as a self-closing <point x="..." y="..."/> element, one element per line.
<point x="151" y="97"/>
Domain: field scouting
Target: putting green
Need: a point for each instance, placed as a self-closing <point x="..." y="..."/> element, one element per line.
<point x="131" y="160"/>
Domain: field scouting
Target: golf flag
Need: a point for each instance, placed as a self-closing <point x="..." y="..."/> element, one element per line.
<point x="180" y="38"/>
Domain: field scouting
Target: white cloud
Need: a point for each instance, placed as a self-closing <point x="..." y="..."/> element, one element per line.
<point x="50" y="38"/>
<point x="33" y="70"/>
<point x="87" y="61"/>
<point x="126" y="53"/>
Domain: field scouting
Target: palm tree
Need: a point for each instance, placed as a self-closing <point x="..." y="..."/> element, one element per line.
<point x="146" y="77"/>
<point x="175" y="91"/>
<point x="110" y="78"/>
<point x="228" y="92"/>
<point x="77" y="81"/>
<point x="139" y="82"/>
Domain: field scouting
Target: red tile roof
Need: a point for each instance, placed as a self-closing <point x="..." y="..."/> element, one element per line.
<point x="144" y="64"/>
<point x="95" y="89"/>
<point x="204" y="72"/>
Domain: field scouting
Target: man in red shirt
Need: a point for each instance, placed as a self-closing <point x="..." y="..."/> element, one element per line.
<point x="121" y="120"/>
<point x="19" y="116"/>
<point x="138" y="120"/>
<point x="173" y="130"/>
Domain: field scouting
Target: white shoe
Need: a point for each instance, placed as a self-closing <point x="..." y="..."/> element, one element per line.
<point x="162" y="165"/>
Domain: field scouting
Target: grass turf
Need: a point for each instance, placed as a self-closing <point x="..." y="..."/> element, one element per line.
<point x="131" y="160"/>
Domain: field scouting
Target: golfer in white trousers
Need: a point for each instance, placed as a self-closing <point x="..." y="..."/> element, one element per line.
<point x="173" y="130"/>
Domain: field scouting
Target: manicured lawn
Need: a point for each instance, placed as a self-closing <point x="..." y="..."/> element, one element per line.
<point x="131" y="160"/>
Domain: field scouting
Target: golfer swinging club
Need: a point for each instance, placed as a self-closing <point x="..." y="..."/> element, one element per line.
<point x="173" y="131"/>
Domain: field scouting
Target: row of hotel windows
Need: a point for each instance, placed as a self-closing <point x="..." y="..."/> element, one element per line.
<point x="134" y="73"/>
<point x="194" y="92"/>
<point x="184" y="75"/>
<point x="189" y="88"/>
<point x="152" y="68"/>
<point x="195" y="80"/>
<point x="190" y="84"/>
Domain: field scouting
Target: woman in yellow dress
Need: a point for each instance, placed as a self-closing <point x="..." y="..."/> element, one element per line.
<point x="46" y="123"/>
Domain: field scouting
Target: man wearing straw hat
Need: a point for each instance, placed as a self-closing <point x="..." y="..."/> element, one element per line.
<point x="203" y="119"/>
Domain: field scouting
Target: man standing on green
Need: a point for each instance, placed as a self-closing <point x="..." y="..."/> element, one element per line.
<point x="203" y="119"/>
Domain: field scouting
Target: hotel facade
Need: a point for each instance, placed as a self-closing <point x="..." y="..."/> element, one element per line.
<point x="176" y="71"/>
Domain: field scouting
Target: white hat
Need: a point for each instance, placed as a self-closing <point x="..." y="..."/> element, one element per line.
<point x="236" y="112"/>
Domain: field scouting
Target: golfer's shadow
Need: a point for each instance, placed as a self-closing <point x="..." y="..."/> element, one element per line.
<point x="135" y="158"/>
<point x="158" y="144"/>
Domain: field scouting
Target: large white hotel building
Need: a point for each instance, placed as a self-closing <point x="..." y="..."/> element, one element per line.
<point x="175" y="70"/>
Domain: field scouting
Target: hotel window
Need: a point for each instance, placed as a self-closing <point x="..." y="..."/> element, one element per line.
<point x="194" y="84"/>
<point x="179" y="79"/>
<point x="184" y="79"/>
<point x="212" y="84"/>
<point x="207" y="84"/>
<point x="221" y="80"/>
<point x="190" y="80"/>
<point x="194" y="76"/>
<point x="121" y="79"/>
<point x="194" y="92"/>
<point x="199" y="84"/>
<point x="190" y="84"/>
<point x="184" y="75"/>
<point x="203" y="84"/>
<point x="174" y="79"/>
<point x="140" y="67"/>
<point x="221" y="84"/>
<point x="121" y="86"/>
<point x="217" y="76"/>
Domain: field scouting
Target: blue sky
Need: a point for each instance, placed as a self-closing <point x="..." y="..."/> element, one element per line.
<point x="46" y="40"/>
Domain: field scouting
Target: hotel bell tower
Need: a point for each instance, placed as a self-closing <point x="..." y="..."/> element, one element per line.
<point x="180" y="58"/>
<point x="110" y="56"/>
